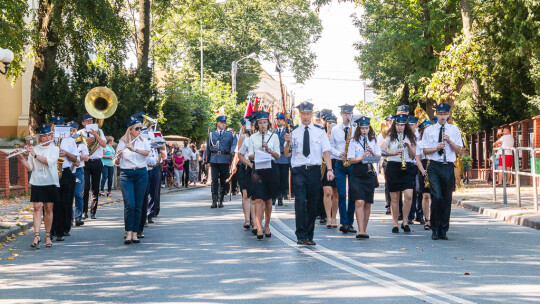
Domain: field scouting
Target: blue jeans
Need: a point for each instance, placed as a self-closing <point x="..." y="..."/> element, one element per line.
<point x="79" y="190"/>
<point x="107" y="175"/>
<point x="133" y="184"/>
<point x="346" y="214"/>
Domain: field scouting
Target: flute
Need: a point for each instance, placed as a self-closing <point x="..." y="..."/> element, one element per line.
<point x="25" y="149"/>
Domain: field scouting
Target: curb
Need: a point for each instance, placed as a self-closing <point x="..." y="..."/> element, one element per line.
<point x="5" y="233"/>
<point x="501" y="213"/>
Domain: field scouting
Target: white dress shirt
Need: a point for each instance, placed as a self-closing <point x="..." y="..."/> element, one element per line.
<point x="430" y="139"/>
<point x="68" y="144"/>
<point x="318" y="144"/>
<point x="99" y="151"/>
<point x="244" y="148"/>
<point x="255" y="142"/>
<point x="337" y="140"/>
<point x="44" y="175"/>
<point x="187" y="153"/>
<point x="356" y="149"/>
<point x="83" y="150"/>
<point x="151" y="159"/>
<point x="420" y="150"/>
<point x="394" y="145"/>
<point x="380" y="138"/>
<point x="131" y="159"/>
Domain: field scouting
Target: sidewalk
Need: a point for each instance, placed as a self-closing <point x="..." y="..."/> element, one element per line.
<point x="478" y="196"/>
<point x="16" y="214"/>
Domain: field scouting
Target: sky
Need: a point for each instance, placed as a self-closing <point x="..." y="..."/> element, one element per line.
<point x="335" y="60"/>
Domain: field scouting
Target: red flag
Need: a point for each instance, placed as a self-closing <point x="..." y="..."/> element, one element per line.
<point x="249" y="109"/>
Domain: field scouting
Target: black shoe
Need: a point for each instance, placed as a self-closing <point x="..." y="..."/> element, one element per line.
<point x="127" y="242"/>
<point x="388" y="211"/>
<point x="351" y="229"/>
<point x="67" y="234"/>
<point x="422" y="221"/>
<point x="434" y="235"/>
<point x="59" y="238"/>
<point x="362" y="236"/>
<point x="273" y="202"/>
<point x="246" y="226"/>
<point x="136" y="241"/>
<point x="150" y="221"/>
<point x="395" y="230"/>
<point x="254" y="230"/>
<point x="260" y="237"/>
<point x="268" y="235"/>
<point x="220" y="205"/>
<point x="280" y="202"/>
<point x="406" y="228"/>
<point x="85" y="216"/>
<point x="140" y="235"/>
<point x="322" y="221"/>
<point x="214" y="205"/>
<point x="93" y="216"/>
<point x="310" y="243"/>
<point x="79" y="223"/>
<point x="426" y="227"/>
<point x="301" y="242"/>
<point x="443" y="236"/>
<point x="344" y="228"/>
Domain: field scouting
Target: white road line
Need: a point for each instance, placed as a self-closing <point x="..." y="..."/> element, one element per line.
<point x="318" y="250"/>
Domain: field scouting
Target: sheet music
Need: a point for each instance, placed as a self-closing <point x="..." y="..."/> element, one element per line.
<point x="263" y="160"/>
<point x="62" y="131"/>
<point x="91" y="127"/>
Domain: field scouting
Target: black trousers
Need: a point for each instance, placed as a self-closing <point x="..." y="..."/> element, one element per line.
<point x="234" y="183"/>
<point x="63" y="210"/>
<point x="185" y="176"/>
<point x="442" y="184"/>
<point x="283" y="180"/>
<point x="220" y="174"/>
<point x="154" y="181"/>
<point x="307" y="186"/>
<point x="92" y="176"/>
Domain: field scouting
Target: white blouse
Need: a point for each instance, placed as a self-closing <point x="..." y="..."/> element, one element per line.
<point x="394" y="145"/>
<point x="244" y="148"/>
<point x="131" y="159"/>
<point x="255" y="142"/>
<point x="44" y="175"/>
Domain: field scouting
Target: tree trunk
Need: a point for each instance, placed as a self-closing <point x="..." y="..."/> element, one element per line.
<point x="143" y="37"/>
<point x="45" y="60"/>
<point x="404" y="100"/>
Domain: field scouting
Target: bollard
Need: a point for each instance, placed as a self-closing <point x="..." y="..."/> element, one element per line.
<point x="533" y="169"/>
<point x="505" y="199"/>
<point x="494" y="178"/>
<point x="516" y="167"/>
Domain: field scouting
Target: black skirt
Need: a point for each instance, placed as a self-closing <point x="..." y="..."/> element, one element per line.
<point x="361" y="185"/>
<point x="325" y="182"/>
<point x="398" y="179"/>
<point x="421" y="180"/>
<point x="244" y="178"/>
<point x="264" y="183"/>
<point x="44" y="194"/>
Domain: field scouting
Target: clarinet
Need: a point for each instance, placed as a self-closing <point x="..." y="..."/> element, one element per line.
<point x="370" y="165"/>
<point x="444" y="149"/>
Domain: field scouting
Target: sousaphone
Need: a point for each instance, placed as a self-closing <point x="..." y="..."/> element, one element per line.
<point x="100" y="103"/>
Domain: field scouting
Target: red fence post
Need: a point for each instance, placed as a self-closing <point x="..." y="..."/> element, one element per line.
<point x="4" y="173"/>
<point x="22" y="176"/>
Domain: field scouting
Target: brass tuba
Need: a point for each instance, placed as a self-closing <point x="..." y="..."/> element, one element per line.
<point x="100" y="103"/>
<point x="420" y="114"/>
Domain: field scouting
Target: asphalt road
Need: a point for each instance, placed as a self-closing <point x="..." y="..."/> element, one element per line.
<point x="200" y="255"/>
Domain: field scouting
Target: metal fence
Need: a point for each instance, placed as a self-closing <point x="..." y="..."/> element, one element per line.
<point x="516" y="172"/>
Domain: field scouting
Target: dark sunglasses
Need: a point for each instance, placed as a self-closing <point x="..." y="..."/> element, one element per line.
<point x="138" y="128"/>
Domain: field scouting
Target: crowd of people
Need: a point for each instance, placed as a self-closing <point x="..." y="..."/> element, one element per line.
<point x="328" y="168"/>
<point x="331" y="168"/>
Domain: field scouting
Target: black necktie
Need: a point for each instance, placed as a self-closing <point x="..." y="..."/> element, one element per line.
<point x="441" y="152"/>
<point x="220" y="133"/>
<point x="305" y="150"/>
<point x="346" y="132"/>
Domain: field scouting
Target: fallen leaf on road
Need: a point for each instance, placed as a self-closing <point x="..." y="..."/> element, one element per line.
<point x="422" y="249"/>
<point x="403" y="248"/>
<point x="466" y="273"/>
<point x="10" y="258"/>
<point x="421" y="290"/>
<point x="383" y="221"/>
<point x="15" y="254"/>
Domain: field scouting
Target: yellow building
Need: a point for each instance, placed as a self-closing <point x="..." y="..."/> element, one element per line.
<point x="15" y="104"/>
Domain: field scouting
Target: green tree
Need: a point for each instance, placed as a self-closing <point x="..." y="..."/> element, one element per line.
<point x="15" y="33"/>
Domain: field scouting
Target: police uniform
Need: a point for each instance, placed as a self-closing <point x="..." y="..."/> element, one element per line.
<point x="441" y="172"/>
<point x="308" y="143"/>
<point x="219" y="151"/>
<point x="283" y="163"/>
<point x="63" y="211"/>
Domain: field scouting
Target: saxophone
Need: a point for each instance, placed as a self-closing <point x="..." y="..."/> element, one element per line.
<point x="347" y="142"/>
<point x="403" y="163"/>
<point x="60" y="160"/>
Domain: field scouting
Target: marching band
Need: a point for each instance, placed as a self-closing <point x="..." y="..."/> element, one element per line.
<point x="316" y="161"/>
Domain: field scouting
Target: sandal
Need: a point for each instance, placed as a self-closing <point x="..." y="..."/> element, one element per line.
<point x="48" y="236"/>
<point x="427" y="226"/>
<point x="36" y="244"/>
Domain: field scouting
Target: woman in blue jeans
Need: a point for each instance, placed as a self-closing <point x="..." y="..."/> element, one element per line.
<point x="108" y="167"/>
<point x="133" y="176"/>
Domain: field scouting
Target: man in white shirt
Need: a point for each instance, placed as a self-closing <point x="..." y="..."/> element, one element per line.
<point x="441" y="143"/>
<point x="188" y="155"/>
<point x="507" y="141"/>
<point x="79" y="175"/>
<point x="62" y="211"/>
<point x="94" y="165"/>
<point x="338" y="140"/>
<point x="308" y="145"/>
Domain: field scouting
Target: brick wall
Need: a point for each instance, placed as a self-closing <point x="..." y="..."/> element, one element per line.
<point x="4" y="174"/>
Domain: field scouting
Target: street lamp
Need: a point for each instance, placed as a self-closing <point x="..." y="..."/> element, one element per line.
<point x="6" y="57"/>
<point x="234" y="70"/>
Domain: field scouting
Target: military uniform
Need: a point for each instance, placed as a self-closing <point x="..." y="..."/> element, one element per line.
<point x="283" y="163"/>
<point x="219" y="151"/>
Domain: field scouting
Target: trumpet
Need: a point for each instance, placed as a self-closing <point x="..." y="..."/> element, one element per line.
<point x="25" y="149"/>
